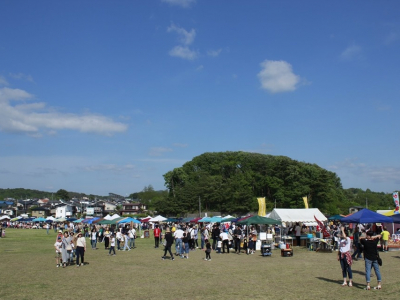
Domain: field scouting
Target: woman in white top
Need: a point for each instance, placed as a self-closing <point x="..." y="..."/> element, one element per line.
<point x="93" y="238"/>
<point x="345" y="258"/>
<point x="80" y="249"/>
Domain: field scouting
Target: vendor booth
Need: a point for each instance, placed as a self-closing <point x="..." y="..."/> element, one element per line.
<point x="294" y="215"/>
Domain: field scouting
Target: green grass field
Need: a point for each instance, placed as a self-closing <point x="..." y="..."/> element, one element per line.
<point x="28" y="271"/>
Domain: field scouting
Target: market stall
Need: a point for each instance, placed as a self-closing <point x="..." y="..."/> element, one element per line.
<point x="289" y="216"/>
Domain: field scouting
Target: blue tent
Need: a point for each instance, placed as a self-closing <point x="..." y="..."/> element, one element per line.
<point x="395" y="218"/>
<point x="90" y="221"/>
<point x="128" y="220"/>
<point x="366" y="216"/>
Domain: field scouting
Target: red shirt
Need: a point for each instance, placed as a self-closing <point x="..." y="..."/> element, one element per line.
<point x="157" y="232"/>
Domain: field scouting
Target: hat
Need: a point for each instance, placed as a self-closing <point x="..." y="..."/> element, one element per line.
<point x="60" y="231"/>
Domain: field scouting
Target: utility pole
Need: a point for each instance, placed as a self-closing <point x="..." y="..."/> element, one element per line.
<point x="366" y="202"/>
<point x="199" y="207"/>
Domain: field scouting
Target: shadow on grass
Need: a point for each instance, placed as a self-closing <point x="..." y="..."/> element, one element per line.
<point x="396" y="256"/>
<point x="339" y="282"/>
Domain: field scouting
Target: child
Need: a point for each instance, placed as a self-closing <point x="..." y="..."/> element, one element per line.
<point x="185" y="246"/>
<point x="208" y="251"/>
<point x="219" y="246"/>
<point x="58" y="245"/>
<point x="112" y="244"/>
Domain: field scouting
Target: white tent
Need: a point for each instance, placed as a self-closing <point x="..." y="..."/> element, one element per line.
<point x="114" y="216"/>
<point x="51" y="218"/>
<point x="157" y="219"/>
<point x="297" y="215"/>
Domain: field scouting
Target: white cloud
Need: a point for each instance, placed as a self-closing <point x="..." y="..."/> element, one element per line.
<point x="351" y="52"/>
<point x="185" y="37"/>
<point x="214" y="53"/>
<point x="182" y="3"/>
<point x="278" y="76"/>
<point x="199" y="68"/>
<point x="21" y="76"/>
<point x="391" y="38"/>
<point x="183" y="52"/>
<point x="33" y="118"/>
<point x="381" y="174"/>
<point x="180" y="145"/>
<point x="158" y="151"/>
<point x="108" y="167"/>
<point x="3" y="81"/>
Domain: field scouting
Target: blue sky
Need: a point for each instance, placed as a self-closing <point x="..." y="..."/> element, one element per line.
<point x="107" y="96"/>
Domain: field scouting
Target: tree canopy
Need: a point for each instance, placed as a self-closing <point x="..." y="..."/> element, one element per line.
<point x="230" y="182"/>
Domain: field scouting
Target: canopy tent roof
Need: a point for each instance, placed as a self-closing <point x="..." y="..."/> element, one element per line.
<point x="60" y="220"/>
<point x="335" y="217"/>
<point x="241" y="218"/>
<point x="128" y="220"/>
<point x="51" y="218"/>
<point x="78" y="221"/>
<point x="224" y="220"/>
<point x="39" y="220"/>
<point x="71" y="219"/>
<point x="145" y="220"/>
<point x="297" y="215"/>
<point x="173" y="220"/>
<point x="90" y="220"/>
<point x="205" y="219"/>
<point x="396" y="218"/>
<point x="4" y="217"/>
<point x="195" y="220"/>
<point x="259" y="220"/>
<point x="158" y="218"/>
<point x="366" y="216"/>
<point x="110" y="222"/>
<point x="227" y="217"/>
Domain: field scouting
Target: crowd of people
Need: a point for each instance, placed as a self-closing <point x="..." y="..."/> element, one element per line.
<point x="71" y="244"/>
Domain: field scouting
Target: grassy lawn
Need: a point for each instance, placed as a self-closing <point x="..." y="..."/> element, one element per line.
<point x="28" y="271"/>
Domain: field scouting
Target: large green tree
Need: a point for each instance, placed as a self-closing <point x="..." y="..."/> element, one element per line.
<point x="62" y="194"/>
<point x="230" y="182"/>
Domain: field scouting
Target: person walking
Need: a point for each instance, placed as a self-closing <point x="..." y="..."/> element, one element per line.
<point x="385" y="239"/>
<point x="357" y="246"/>
<point x="80" y="249"/>
<point x="126" y="241"/>
<point x="237" y="234"/>
<point x="345" y="258"/>
<point x="157" y="233"/>
<point x="178" y="235"/>
<point x="132" y="236"/>
<point x="112" y="245"/>
<point x="371" y="256"/>
<point x="169" y="239"/>
<point x="93" y="238"/>
<point x="225" y="241"/>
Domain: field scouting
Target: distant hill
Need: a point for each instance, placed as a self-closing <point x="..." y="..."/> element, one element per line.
<point x="21" y="193"/>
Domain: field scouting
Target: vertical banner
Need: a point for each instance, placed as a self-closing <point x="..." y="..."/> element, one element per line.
<point x="261" y="206"/>
<point x="396" y="202"/>
<point x="305" y="199"/>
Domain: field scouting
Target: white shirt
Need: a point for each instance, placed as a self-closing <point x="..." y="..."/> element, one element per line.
<point x="178" y="234"/>
<point x="223" y="236"/>
<point x="298" y="230"/>
<point x="345" y="245"/>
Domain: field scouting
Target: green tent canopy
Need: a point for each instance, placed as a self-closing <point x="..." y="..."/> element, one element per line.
<point x="259" y="220"/>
